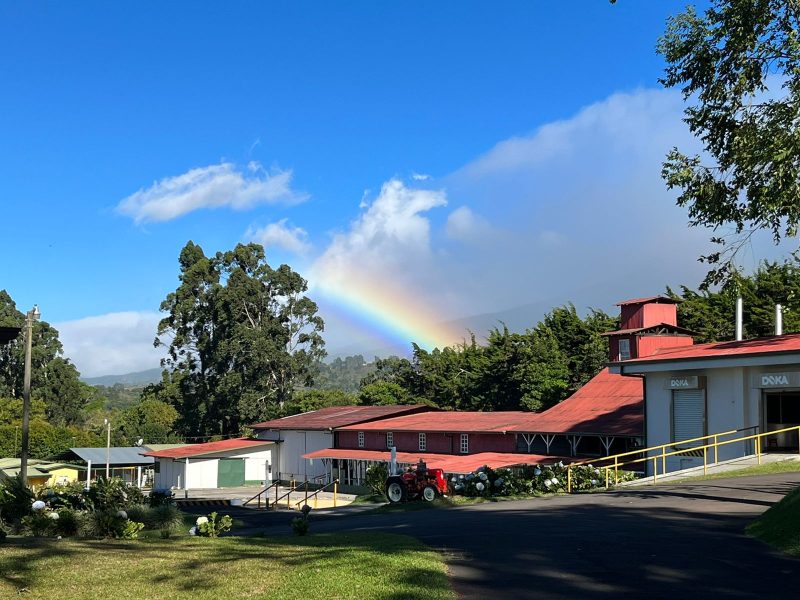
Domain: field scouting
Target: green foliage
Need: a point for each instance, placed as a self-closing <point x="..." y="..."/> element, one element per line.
<point x="151" y="420"/>
<point x="710" y="313"/>
<point x="300" y="525"/>
<point x="384" y="393"/>
<point x="213" y="525"/>
<point x="15" y="499"/>
<point x="165" y="518"/>
<point x="161" y="497"/>
<point x="739" y="66"/>
<point x="40" y="523"/>
<point x="68" y="523"/>
<point x="306" y="400"/>
<point x="11" y="411"/>
<point x="112" y="494"/>
<point x="377" y="474"/>
<point x="512" y="371"/>
<point x="343" y="374"/>
<point x="54" y="380"/>
<point x="46" y="440"/>
<point x="130" y="530"/>
<point x="238" y="329"/>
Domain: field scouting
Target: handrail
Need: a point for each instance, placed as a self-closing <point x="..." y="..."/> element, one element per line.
<point x="258" y="495"/>
<point x="664" y="454"/>
<point x="288" y="495"/>
<point x="334" y="483"/>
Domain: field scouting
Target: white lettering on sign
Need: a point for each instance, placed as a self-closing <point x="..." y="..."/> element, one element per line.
<point x="679" y="383"/>
<point x="774" y="380"/>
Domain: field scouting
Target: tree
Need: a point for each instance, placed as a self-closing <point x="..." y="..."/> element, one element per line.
<point x="151" y="420"/>
<point x="384" y="393"/>
<point x="739" y="65"/>
<point x="306" y="400"/>
<point x="54" y="379"/>
<point x="242" y="336"/>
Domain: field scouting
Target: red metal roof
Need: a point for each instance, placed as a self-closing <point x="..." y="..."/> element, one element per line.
<point x="789" y="342"/>
<point x="444" y="422"/>
<point x="339" y="416"/>
<point x="450" y="463"/>
<point x="608" y="404"/>
<point x="657" y="299"/>
<point x="208" y="448"/>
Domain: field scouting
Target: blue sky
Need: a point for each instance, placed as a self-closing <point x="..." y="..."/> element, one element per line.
<point x="541" y="124"/>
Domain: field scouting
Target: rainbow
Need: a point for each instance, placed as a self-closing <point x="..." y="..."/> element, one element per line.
<point x="390" y="312"/>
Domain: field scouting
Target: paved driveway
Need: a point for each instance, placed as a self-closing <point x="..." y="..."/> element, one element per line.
<point x="679" y="541"/>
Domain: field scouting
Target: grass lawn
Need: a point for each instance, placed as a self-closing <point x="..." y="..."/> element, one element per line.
<point x="351" y="565"/>
<point x="780" y="525"/>
<point x="784" y="466"/>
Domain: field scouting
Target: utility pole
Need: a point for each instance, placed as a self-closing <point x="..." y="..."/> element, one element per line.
<point x="30" y="317"/>
<point x="108" y="446"/>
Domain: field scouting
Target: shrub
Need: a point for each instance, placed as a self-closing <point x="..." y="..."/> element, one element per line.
<point x="15" y="500"/>
<point x="130" y="530"/>
<point x="113" y="494"/>
<point x="39" y="523"/>
<point x="166" y="518"/>
<point x="141" y="513"/>
<point x="109" y="524"/>
<point x="159" y="497"/>
<point x="212" y="526"/>
<point x="68" y="523"/>
<point x="70" y="495"/>
<point x="300" y="525"/>
<point x="376" y="478"/>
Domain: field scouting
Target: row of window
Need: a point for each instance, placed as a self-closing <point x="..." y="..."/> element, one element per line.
<point x="423" y="441"/>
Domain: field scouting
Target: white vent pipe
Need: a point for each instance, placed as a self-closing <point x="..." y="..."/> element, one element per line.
<point x="739" y="319"/>
<point x="778" y="319"/>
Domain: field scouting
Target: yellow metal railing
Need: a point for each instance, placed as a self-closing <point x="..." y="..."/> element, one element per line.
<point x="314" y="495"/>
<point x="663" y="454"/>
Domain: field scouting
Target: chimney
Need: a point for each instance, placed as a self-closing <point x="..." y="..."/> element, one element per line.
<point x="778" y="319"/>
<point x="739" y="319"/>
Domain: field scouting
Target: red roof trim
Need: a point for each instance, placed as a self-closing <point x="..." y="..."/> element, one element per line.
<point x="782" y="344"/>
<point x="655" y="299"/>
<point x="193" y="450"/>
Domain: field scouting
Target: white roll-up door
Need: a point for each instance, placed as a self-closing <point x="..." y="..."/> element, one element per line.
<point x="688" y="414"/>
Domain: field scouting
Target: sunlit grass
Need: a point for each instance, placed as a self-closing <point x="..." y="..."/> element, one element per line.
<point x="348" y="565"/>
<point x="780" y="525"/>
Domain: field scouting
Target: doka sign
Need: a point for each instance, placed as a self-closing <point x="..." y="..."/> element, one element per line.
<point x="683" y="382"/>
<point x="790" y="379"/>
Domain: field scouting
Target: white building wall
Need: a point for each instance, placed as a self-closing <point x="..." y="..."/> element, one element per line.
<point x="202" y="473"/>
<point x="295" y="444"/>
<point x="170" y="474"/>
<point x="255" y="465"/>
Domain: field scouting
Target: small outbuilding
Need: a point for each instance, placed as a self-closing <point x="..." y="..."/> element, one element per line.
<point x="225" y="463"/>
<point x="41" y="472"/>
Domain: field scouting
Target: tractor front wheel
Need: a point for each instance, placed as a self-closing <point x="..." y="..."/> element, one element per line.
<point x="429" y="493"/>
<point x="396" y="491"/>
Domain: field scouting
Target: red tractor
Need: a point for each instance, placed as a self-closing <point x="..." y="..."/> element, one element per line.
<point x="421" y="482"/>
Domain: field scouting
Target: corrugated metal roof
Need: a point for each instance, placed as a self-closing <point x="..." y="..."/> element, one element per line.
<point x="450" y="463"/>
<point x="157" y="447"/>
<point x="339" y="416"/>
<point x="445" y="422"/>
<point x="657" y="299"/>
<point x="789" y="342"/>
<point x="188" y="451"/>
<point x="117" y="456"/>
<point x="609" y="404"/>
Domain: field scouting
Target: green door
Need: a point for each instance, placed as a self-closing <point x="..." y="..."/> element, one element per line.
<point x="230" y="472"/>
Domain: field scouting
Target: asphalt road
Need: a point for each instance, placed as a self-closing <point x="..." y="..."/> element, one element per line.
<point x="677" y="541"/>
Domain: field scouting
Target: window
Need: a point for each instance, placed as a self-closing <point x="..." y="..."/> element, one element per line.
<point x="624" y="349"/>
<point x="688" y="414"/>
<point x="464" y="443"/>
<point x="423" y="445"/>
<point x="389" y="439"/>
<point x="360" y="439"/>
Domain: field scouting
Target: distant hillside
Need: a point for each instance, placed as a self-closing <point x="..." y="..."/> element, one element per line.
<point x="138" y="378"/>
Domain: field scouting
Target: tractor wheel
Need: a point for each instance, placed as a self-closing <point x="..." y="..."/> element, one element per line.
<point x="429" y="493"/>
<point x="396" y="491"/>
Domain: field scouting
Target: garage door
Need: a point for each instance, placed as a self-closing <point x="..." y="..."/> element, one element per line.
<point x="230" y="472"/>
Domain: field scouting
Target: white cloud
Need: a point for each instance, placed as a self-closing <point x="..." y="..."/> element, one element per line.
<point x="420" y="177"/>
<point x="111" y="344"/>
<point x="280" y="235"/>
<point x="466" y="226"/>
<point x="214" y="186"/>
<point x="390" y="230"/>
